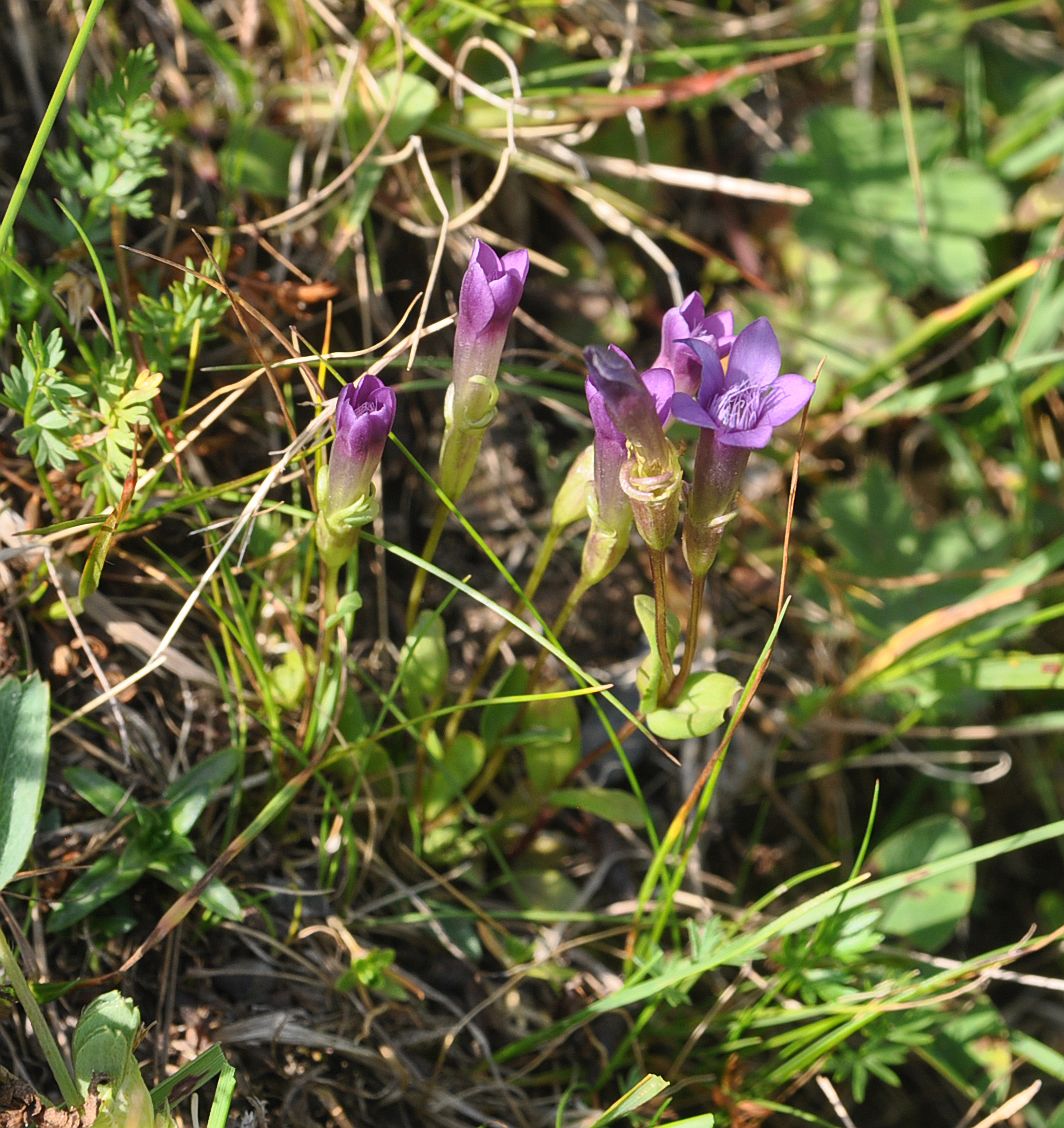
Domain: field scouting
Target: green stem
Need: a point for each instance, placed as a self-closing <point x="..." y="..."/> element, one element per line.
<point x="33" y="157"/>
<point x="698" y="587"/>
<point x="658" y="571"/>
<point x="417" y="589"/>
<point x="539" y="569"/>
<point x="60" y="1071"/>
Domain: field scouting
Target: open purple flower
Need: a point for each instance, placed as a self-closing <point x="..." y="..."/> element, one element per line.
<point x="689" y="321"/>
<point x="491" y="288"/>
<point x="736" y="411"/>
<point x="744" y="404"/>
<point x="365" y="412"/>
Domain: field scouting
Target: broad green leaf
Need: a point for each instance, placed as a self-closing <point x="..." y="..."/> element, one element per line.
<point x="188" y="796"/>
<point x="550" y="744"/>
<point x="104" y="1040"/>
<point x="928" y="913"/>
<point x="97" y="790"/>
<point x="23" y="764"/>
<point x="256" y="160"/>
<point x="461" y="762"/>
<point x="700" y="709"/>
<point x="1001" y="672"/>
<point x="105" y="1037"/>
<point x="613" y="806"/>
<point x="182" y="869"/>
<point x="415" y="99"/>
<point x="104" y="880"/>
<point x="424" y="661"/>
<point x="864" y="206"/>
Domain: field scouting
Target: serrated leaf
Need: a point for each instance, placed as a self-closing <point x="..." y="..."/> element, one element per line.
<point x="23" y="765"/>
<point x="700" y="709"/>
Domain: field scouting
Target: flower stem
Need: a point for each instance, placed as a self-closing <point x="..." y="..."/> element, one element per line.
<point x="417" y="589"/>
<point x="60" y="1071"/>
<point x="546" y="552"/>
<point x="659" y="571"/>
<point x="698" y="587"/>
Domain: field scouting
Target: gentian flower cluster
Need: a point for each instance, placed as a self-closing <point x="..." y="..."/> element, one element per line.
<point x="491" y="289"/>
<point x="365" y="412"/>
<point x="726" y="384"/>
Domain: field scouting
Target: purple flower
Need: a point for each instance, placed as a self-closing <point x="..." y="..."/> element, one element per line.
<point x="689" y="321"/>
<point x="491" y="289"/>
<point x="628" y="403"/>
<point x="745" y="403"/>
<point x="365" y="412"/>
<point x="650" y="474"/>
<point x="611" y="446"/>
<point x="736" y="411"/>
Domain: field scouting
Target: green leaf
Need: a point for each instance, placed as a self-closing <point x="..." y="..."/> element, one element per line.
<point x="460" y="765"/>
<point x="613" y="806"/>
<point x="97" y="790"/>
<point x="23" y="764"/>
<point x="636" y="1097"/>
<point x="649" y="676"/>
<point x="424" y="661"/>
<point x="188" y="796"/>
<point x="104" y="1039"/>
<point x="256" y="160"/>
<point x="926" y="914"/>
<point x="181" y="869"/>
<point x="550" y="741"/>
<point x="700" y="709"/>
<point x="496" y="719"/>
<point x="864" y="206"/>
<point x="107" y="877"/>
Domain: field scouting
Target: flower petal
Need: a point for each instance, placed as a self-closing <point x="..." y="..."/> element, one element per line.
<point x="661" y="384"/>
<point x="753" y="439"/>
<point x="755" y="354"/>
<point x="712" y="379"/>
<point x="689" y="410"/>
<point x="516" y="262"/>
<point x="789" y="395"/>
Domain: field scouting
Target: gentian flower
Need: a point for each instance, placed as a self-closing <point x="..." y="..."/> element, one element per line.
<point x="746" y="403"/>
<point x="365" y="412"/>
<point x="736" y="411"/>
<point x="649" y="473"/>
<point x="689" y="321"/>
<point x="491" y="288"/>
